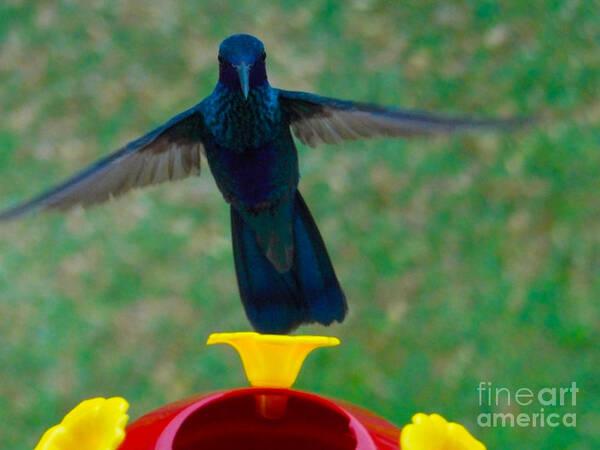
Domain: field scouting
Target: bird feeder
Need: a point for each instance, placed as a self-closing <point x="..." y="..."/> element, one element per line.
<point x="267" y="415"/>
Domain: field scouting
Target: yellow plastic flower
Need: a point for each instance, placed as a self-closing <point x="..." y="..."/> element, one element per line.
<point x="272" y="360"/>
<point x="95" y="424"/>
<point x="433" y="432"/>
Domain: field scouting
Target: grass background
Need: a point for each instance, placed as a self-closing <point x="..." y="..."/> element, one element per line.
<point x="464" y="259"/>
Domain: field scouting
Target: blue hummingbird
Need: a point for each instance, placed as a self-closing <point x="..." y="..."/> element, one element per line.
<point x="245" y="128"/>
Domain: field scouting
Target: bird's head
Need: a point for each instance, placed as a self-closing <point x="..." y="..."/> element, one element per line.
<point x="242" y="63"/>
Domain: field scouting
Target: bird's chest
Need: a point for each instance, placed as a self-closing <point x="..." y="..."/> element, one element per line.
<point x="251" y="153"/>
<point x="238" y="123"/>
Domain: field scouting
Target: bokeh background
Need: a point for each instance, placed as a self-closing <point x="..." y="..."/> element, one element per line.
<point x="466" y="259"/>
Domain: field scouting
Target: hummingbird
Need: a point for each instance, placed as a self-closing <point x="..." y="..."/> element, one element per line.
<point x="246" y="128"/>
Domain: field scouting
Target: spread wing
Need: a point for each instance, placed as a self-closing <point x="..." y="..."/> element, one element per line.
<point x="169" y="152"/>
<point x="315" y="119"/>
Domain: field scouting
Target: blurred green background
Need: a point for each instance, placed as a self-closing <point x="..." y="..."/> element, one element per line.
<point x="467" y="259"/>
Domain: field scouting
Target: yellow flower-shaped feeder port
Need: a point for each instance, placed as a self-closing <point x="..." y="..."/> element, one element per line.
<point x="433" y="432"/>
<point x="272" y="360"/>
<point x="95" y="424"/>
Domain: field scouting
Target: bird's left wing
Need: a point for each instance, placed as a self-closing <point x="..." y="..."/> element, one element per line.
<point x="169" y="152"/>
<point x="315" y="119"/>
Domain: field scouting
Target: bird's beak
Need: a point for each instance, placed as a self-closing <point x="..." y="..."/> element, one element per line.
<point x="244" y="74"/>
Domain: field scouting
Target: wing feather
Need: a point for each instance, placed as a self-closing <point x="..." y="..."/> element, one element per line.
<point x="315" y="119"/>
<point x="170" y="152"/>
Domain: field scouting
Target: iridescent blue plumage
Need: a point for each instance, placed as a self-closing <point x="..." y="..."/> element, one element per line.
<point x="253" y="159"/>
<point x="245" y="128"/>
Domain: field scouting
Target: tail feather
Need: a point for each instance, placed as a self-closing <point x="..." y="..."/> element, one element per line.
<point x="277" y="302"/>
<point x="320" y="286"/>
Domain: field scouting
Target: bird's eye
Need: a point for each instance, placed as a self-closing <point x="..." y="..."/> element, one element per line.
<point x="263" y="56"/>
<point x="221" y="59"/>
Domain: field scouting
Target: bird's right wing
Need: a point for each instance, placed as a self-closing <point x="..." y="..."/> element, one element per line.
<point x="315" y="119"/>
<point x="169" y="152"/>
